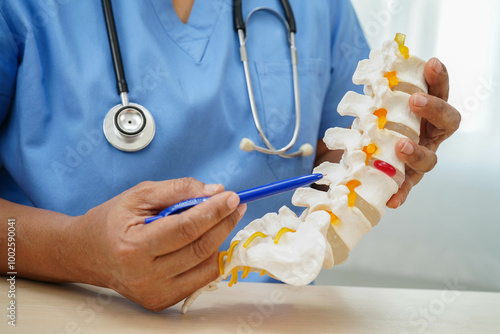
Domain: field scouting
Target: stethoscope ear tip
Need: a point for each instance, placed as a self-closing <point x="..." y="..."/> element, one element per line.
<point x="306" y="149"/>
<point x="247" y="145"/>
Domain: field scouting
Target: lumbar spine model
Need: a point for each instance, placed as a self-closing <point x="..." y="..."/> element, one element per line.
<point x="294" y="249"/>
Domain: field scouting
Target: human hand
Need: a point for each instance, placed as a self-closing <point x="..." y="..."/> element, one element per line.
<point x="439" y="121"/>
<point x="161" y="263"/>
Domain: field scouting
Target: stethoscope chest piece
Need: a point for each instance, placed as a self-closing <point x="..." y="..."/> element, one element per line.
<point x="129" y="128"/>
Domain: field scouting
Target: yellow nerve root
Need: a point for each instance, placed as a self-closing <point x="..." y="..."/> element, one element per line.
<point x="246" y="270"/>
<point x="281" y="232"/>
<point x="393" y="79"/>
<point x="351" y="197"/>
<point x="262" y="272"/>
<point x="370" y="150"/>
<point x="221" y="262"/>
<point x="231" y="249"/>
<point x="234" y="277"/>
<point x="382" y="117"/>
<point x="334" y="220"/>
<point x="253" y="236"/>
<point x="400" y="39"/>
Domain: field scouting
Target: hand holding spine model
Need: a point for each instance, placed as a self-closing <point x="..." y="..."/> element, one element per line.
<point x="294" y="249"/>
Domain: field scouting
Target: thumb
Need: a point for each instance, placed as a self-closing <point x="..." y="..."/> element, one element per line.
<point x="162" y="194"/>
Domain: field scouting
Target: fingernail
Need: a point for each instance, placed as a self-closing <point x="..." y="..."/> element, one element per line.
<point x="233" y="201"/>
<point x="407" y="148"/>
<point x="419" y="100"/>
<point x="242" y="209"/>
<point x="437" y="66"/>
<point x="212" y="188"/>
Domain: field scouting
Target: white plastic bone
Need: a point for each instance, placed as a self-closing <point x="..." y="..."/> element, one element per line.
<point x="371" y="71"/>
<point x="283" y="263"/>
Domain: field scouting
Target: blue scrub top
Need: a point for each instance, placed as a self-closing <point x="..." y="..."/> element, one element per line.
<point x="57" y="84"/>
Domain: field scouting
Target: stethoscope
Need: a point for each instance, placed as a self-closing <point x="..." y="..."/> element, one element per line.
<point x="127" y="126"/>
<point x="130" y="127"/>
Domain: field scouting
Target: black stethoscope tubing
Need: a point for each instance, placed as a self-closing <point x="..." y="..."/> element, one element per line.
<point x="121" y="81"/>
<point x="239" y="22"/>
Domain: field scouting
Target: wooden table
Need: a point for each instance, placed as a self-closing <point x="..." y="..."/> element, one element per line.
<point x="253" y="308"/>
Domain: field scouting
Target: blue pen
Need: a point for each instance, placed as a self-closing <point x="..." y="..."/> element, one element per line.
<point x="245" y="195"/>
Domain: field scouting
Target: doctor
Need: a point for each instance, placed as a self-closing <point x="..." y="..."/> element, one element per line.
<point x="79" y="202"/>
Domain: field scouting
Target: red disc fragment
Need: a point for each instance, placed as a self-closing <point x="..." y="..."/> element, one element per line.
<point x="385" y="167"/>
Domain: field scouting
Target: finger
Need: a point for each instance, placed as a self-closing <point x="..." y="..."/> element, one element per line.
<point x="181" y="286"/>
<point x="199" y="250"/>
<point x="400" y="197"/>
<point x="160" y="195"/>
<point x="436" y="75"/>
<point x="198" y="277"/>
<point x="174" y="232"/>
<point x="411" y="179"/>
<point x="417" y="157"/>
<point x="445" y="118"/>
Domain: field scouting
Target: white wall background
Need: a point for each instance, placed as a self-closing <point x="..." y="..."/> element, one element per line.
<point x="449" y="229"/>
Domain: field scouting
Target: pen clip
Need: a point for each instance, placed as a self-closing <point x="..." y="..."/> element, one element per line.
<point x="178" y="208"/>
